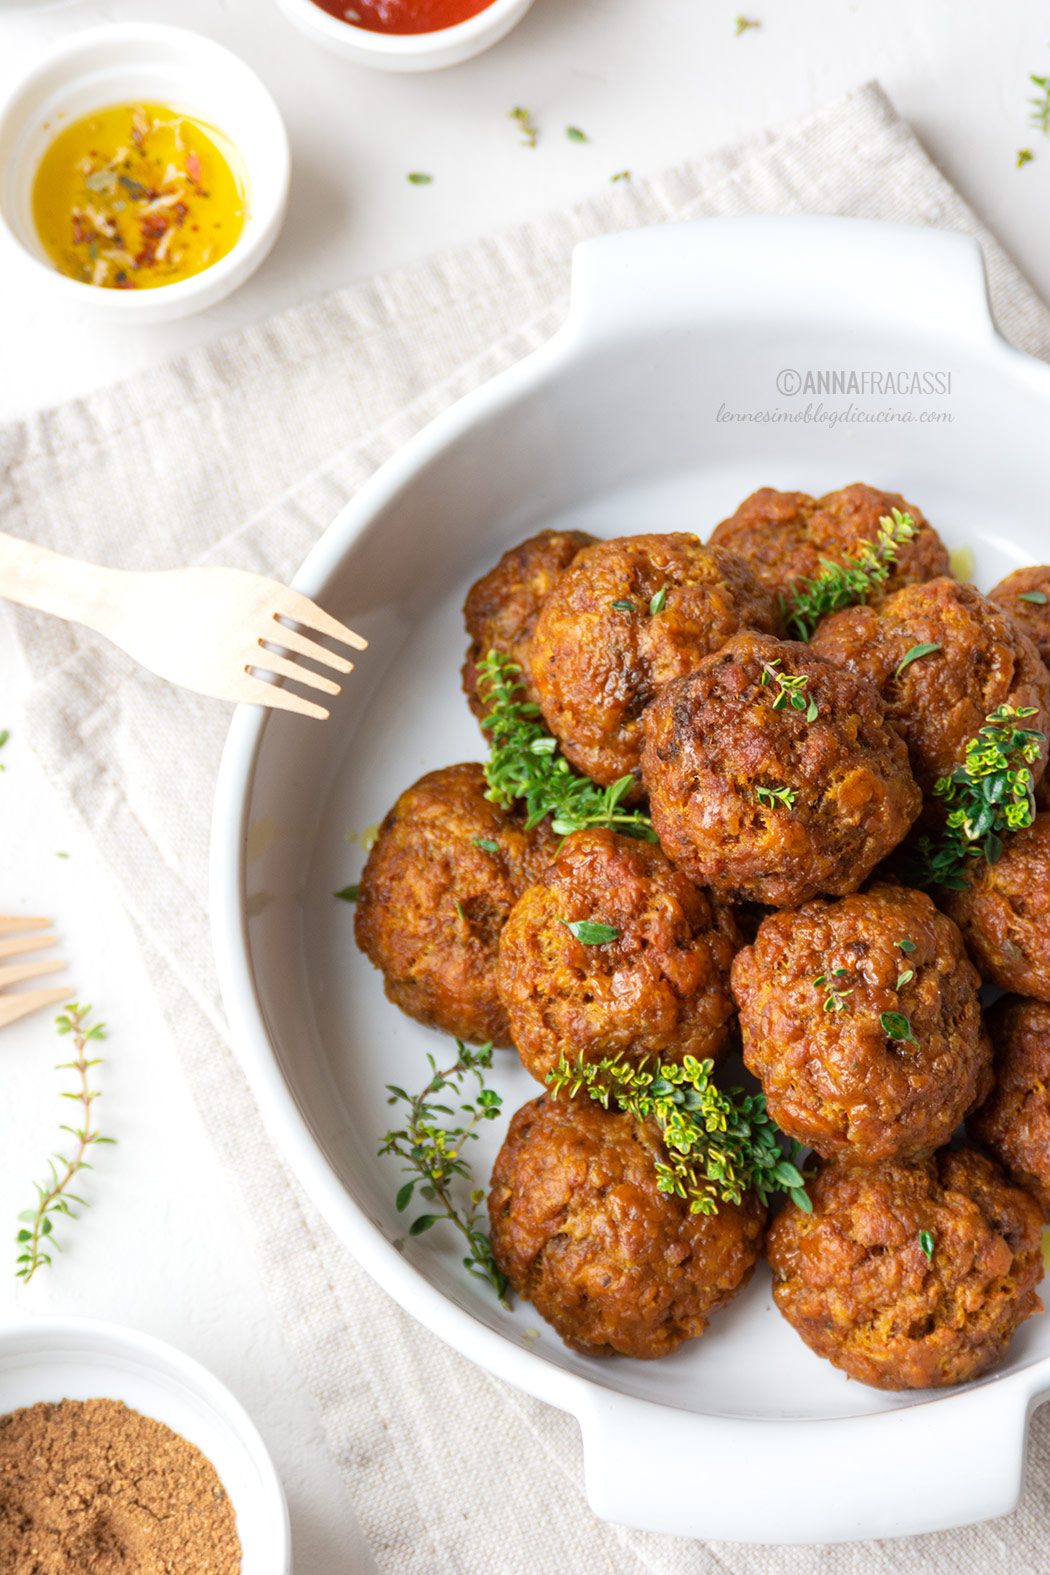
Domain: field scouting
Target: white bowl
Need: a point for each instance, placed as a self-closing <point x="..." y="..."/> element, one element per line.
<point x="121" y="64"/>
<point x="407" y="51"/>
<point x="624" y="422"/>
<point x="52" y="1359"/>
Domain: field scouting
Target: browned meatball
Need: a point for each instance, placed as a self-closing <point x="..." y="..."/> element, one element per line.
<point x="1015" y="1120"/>
<point x="580" y="1230"/>
<point x="941" y="699"/>
<point x="658" y="987"/>
<point x="501" y="608"/>
<point x="626" y="617"/>
<point x="775" y="805"/>
<point x="1004" y="914"/>
<point x="445" y="871"/>
<point x="1025" y="594"/>
<point x="861" y="1019"/>
<point x="853" y="1280"/>
<point x="786" y="536"/>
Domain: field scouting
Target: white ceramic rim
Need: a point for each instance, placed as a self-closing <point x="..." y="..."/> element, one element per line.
<point x="159" y="1355"/>
<point x="468" y="37"/>
<point x="998" y="1405"/>
<point x="250" y="250"/>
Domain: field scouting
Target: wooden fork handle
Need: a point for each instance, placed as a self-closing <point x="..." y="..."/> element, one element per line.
<point x="35" y="577"/>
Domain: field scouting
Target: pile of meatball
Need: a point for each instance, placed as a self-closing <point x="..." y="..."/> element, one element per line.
<point x="769" y="917"/>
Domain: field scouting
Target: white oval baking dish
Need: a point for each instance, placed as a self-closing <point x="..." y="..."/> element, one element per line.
<point x="618" y="425"/>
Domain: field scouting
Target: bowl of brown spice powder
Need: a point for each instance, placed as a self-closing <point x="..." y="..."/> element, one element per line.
<point x="119" y="1453"/>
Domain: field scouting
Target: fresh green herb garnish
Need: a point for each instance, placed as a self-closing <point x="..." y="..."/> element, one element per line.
<point x="620" y="175"/>
<point x="719" y="1143"/>
<point x="990" y="794"/>
<point x="898" y="1027"/>
<point x="659" y="601"/>
<point x="905" y="978"/>
<point x="771" y="797"/>
<point x="574" y="134"/>
<point x="926" y="1242"/>
<point x="348" y="893"/>
<point x="460" y="911"/>
<point x="835" y="999"/>
<point x="530" y="131"/>
<point x="745" y="23"/>
<point x="1038" y="597"/>
<point x="418" y="178"/>
<point x="589" y="933"/>
<point x="431" y="1153"/>
<point x="54" y="1196"/>
<point x="525" y="763"/>
<point x="1024" y="156"/>
<point x="4" y="736"/>
<point x="851" y="582"/>
<point x="624" y="606"/>
<point x="789" y="690"/>
<point x="905" y="946"/>
<point x="914" y="654"/>
<point x="486" y="844"/>
<point x="1041" y="103"/>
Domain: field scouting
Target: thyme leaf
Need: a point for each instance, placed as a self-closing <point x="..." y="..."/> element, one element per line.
<point x="926" y="1243"/>
<point x="897" y="1026"/>
<point x="917" y="651"/>
<point x="589" y="933"/>
<point x="348" y="893"/>
<point x="418" y="178"/>
<point x="1037" y="597"/>
<point x="574" y="134"/>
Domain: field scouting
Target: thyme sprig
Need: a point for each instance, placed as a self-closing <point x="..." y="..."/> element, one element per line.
<point x="852" y="581"/>
<point x="988" y="796"/>
<point x="719" y="1142"/>
<point x="525" y="764"/>
<point x="530" y="132"/>
<point x="836" y="999"/>
<point x="430" y="1146"/>
<point x="1040" y="103"/>
<point x="770" y="797"/>
<point x="790" y="688"/>
<point x="56" y="1195"/>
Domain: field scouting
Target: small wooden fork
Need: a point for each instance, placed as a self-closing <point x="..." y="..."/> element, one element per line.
<point x="213" y="630"/>
<point x="15" y="944"/>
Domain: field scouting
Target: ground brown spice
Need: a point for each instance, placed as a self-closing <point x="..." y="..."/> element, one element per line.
<point x="90" y="1487"/>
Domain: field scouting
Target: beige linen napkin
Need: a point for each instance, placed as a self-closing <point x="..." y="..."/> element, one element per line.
<point x="242" y="454"/>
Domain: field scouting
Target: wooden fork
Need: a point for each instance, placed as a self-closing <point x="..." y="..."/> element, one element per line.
<point x="213" y="630"/>
<point x="15" y="944"/>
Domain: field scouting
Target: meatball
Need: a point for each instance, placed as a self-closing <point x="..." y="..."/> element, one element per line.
<point x="580" y="1230"/>
<point x="653" y="981"/>
<point x="766" y="803"/>
<point x="445" y="871"/>
<point x="1025" y="594"/>
<point x="861" y="1019"/>
<point x="501" y="608"/>
<point x="786" y="536"/>
<point x="940" y="699"/>
<point x="626" y="617"/>
<point x="1015" y="1120"/>
<point x="910" y="1276"/>
<point x="1004" y="913"/>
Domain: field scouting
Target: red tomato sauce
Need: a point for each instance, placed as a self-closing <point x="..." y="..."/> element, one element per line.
<point x="403" y="16"/>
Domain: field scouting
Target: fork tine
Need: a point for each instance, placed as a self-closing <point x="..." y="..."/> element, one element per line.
<point x="17" y="972"/>
<point x="17" y="922"/>
<point x="270" y="662"/>
<point x="295" y="640"/>
<point x="26" y="943"/>
<point x="254" y="691"/>
<point x="12" y="1007"/>
<point x="303" y="610"/>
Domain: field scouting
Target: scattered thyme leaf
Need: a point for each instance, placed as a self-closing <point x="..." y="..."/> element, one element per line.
<point x="61" y="855"/>
<point x="4" y="736"/>
<point x="589" y="933"/>
<point x="1038" y="598"/>
<point x="431" y="1154"/>
<point x="525" y="764"/>
<point x="659" y="601"/>
<point x="926" y="1243"/>
<point x="460" y="911"/>
<point x="620" y="175"/>
<point x="836" y="999"/>
<point x="1024" y="156"/>
<point x="988" y="796"/>
<point x="718" y="1143"/>
<point x="905" y="977"/>
<point x="486" y="844"/>
<point x="574" y="134"/>
<point x="852" y="581"/>
<point x="771" y="797"/>
<point x="745" y="23"/>
<point x="530" y="134"/>
<point x="348" y="893"/>
<point x="54" y="1196"/>
<point x="927" y="649"/>
<point x="624" y="606"/>
<point x="897" y="1026"/>
<point x="419" y="178"/>
<point x="905" y="946"/>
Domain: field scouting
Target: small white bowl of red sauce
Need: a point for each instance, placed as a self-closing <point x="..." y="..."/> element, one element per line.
<point x="406" y="35"/>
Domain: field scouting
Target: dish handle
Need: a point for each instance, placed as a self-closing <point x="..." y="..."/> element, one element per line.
<point x="927" y="282"/>
<point x="922" y="1467"/>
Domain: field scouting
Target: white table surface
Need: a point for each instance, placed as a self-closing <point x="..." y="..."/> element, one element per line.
<point x="651" y="81"/>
